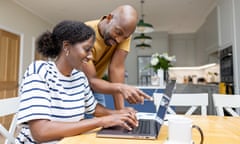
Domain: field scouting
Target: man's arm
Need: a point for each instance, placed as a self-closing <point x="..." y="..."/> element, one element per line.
<point x="116" y="87"/>
<point x="116" y="72"/>
<point x="97" y="84"/>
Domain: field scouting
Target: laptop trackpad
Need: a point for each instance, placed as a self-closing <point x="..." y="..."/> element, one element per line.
<point x="143" y="115"/>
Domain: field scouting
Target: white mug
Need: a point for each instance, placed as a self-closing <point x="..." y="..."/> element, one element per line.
<point x="180" y="131"/>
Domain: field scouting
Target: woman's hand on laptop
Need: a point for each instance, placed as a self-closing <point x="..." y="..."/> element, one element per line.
<point x="125" y="118"/>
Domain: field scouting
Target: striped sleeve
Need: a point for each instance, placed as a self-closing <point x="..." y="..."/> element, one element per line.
<point x="35" y="99"/>
<point x="90" y="101"/>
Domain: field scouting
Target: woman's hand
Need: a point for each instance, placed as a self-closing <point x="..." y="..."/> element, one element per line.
<point x="127" y="110"/>
<point x="132" y="94"/>
<point x="125" y="118"/>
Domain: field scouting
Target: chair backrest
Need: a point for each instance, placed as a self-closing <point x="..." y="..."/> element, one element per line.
<point x="192" y="100"/>
<point x="9" y="106"/>
<point x="227" y="102"/>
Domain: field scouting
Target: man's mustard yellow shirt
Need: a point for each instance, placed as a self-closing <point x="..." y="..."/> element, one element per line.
<point x="102" y="53"/>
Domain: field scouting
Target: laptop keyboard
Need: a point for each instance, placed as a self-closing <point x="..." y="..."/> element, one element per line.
<point x="144" y="127"/>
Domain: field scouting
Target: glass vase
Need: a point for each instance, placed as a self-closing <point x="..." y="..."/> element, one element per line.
<point x="165" y="75"/>
<point x="160" y="73"/>
<point x="155" y="80"/>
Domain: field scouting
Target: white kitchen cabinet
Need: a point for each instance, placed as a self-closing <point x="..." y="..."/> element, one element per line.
<point x="236" y="44"/>
<point x="211" y="32"/>
<point x="201" y="56"/>
<point x="183" y="47"/>
<point x="225" y="23"/>
<point x="206" y="40"/>
<point x="229" y="28"/>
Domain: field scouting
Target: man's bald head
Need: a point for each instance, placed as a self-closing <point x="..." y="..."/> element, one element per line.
<point x="126" y="16"/>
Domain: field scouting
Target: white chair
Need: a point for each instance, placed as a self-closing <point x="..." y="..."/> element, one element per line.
<point x="227" y="102"/>
<point x="9" y="106"/>
<point x="192" y="100"/>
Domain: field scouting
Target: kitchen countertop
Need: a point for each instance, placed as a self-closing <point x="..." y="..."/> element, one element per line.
<point x="149" y="87"/>
<point x="199" y="84"/>
<point x="200" y="88"/>
<point x="178" y="85"/>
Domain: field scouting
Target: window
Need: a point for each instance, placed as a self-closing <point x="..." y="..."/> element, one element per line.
<point x="144" y="72"/>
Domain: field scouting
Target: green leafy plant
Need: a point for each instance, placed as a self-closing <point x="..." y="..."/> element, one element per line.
<point x="161" y="61"/>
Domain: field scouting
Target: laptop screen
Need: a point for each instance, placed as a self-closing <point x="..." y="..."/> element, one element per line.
<point x="165" y="100"/>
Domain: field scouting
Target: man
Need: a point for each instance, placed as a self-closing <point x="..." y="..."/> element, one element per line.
<point x="113" y="33"/>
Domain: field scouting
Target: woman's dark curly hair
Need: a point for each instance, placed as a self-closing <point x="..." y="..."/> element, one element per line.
<point x="50" y="44"/>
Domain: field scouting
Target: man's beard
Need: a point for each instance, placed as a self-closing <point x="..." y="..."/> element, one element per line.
<point x="108" y="40"/>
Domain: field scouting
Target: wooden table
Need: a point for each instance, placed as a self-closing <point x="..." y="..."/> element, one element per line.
<point x="217" y="130"/>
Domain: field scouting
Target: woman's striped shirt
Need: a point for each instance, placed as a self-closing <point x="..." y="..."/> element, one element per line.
<point x="47" y="94"/>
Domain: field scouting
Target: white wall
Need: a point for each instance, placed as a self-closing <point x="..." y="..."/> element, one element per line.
<point x="200" y="45"/>
<point x="211" y="32"/>
<point x="16" y="19"/>
<point x="206" y="43"/>
<point x="183" y="47"/>
<point x="159" y="44"/>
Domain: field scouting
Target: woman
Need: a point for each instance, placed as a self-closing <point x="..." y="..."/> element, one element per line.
<point x="55" y="95"/>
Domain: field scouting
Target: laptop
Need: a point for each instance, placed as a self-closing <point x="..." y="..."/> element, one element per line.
<point x="149" y="127"/>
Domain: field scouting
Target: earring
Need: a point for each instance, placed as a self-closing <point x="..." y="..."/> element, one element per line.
<point x="67" y="52"/>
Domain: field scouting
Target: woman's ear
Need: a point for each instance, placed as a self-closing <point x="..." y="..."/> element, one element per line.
<point x="66" y="44"/>
<point x="66" y="47"/>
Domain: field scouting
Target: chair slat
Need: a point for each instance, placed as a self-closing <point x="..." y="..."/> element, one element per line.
<point x="227" y="102"/>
